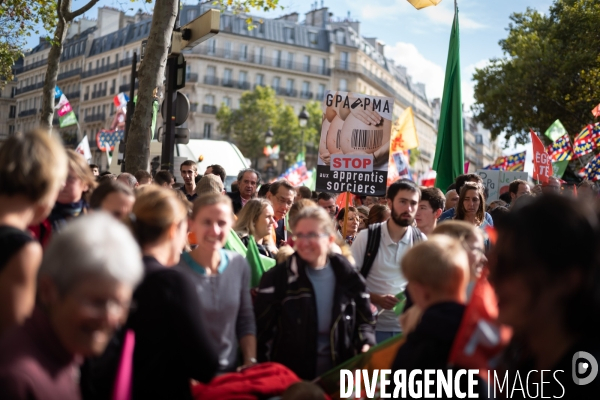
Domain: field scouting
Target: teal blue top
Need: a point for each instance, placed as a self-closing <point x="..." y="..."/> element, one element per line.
<point x="200" y="269"/>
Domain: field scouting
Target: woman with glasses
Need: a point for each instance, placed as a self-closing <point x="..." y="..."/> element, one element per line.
<point x="171" y="345"/>
<point x="312" y="311"/>
<point x="84" y="289"/>
<point x="256" y="219"/>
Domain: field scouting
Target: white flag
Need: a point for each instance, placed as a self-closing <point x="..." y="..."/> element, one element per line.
<point x="83" y="148"/>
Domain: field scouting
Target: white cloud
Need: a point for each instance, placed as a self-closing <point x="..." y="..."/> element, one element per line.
<point x="418" y="67"/>
<point x="442" y="14"/>
<point x="468" y="85"/>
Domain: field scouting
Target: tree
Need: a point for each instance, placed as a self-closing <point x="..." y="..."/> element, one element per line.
<point x="64" y="17"/>
<point x="260" y="111"/>
<point x="550" y="70"/>
<point x="16" y="20"/>
<point x="151" y="72"/>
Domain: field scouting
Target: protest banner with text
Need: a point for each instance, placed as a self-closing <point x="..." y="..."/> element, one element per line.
<point x="355" y="143"/>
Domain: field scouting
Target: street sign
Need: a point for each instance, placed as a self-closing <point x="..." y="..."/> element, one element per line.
<point x="195" y="32"/>
<point x="182" y="135"/>
<point x="182" y="109"/>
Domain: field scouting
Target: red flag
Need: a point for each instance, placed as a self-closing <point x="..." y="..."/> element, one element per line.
<point x="480" y="338"/>
<point x="596" y="111"/>
<point x="542" y="163"/>
<point x="341" y="200"/>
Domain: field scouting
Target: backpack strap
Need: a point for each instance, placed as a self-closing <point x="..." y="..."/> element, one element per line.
<point x="373" y="240"/>
<point x="416" y="235"/>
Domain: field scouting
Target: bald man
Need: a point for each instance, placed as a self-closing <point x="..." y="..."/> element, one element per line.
<point x="451" y="199"/>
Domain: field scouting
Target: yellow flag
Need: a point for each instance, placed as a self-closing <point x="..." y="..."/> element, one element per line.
<point x="404" y="133"/>
<point x="418" y="4"/>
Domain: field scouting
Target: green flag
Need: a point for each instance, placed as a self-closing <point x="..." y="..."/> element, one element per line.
<point x="559" y="168"/>
<point x="234" y="243"/>
<point x="555" y="131"/>
<point x="312" y="182"/>
<point x="449" y="158"/>
<point x="256" y="266"/>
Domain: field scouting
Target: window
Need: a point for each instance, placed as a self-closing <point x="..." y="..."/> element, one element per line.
<point x="277" y="58"/>
<point x="112" y="108"/>
<point x="191" y="14"/>
<point x="322" y="66"/>
<point x="212" y="46"/>
<point x="343" y="85"/>
<point x="228" y="47"/>
<point x="290" y="86"/>
<point x="227" y="76"/>
<point x="227" y="101"/>
<point x="340" y="37"/>
<point x="289" y="34"/>
<point x="211" y="71"/>
<point x="207" y="130"/>
<point x="243" y="76"/>
<point x="312" y="38"/>
<point x="243" y="52"/>
<point x="306" y="63"/>
<point x="209" y="100"/>
<point x="261" y="27"/>
<point x="260" y="55"/>
<point x="260" y="80"/>
<point x="290" y="61"/>
<point x="305" y="89"/>
<point x="276" y="82"/>
<point x="344" y="60"/>
<point x="321" y="92"/>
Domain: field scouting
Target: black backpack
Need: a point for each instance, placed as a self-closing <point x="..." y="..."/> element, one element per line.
<point x="373" y="241"/>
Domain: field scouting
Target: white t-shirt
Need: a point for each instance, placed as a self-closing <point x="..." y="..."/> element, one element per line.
<point x="386" y="275"/>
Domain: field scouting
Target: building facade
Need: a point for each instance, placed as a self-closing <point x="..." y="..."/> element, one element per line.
<point x="300" y="60"/>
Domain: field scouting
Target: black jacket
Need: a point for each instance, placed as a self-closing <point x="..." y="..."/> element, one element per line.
<point x="236" y="200"/>
<point x="286" y="314"/>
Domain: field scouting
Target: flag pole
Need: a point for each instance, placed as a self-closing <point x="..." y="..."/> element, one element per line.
<point x="346" y="215"/>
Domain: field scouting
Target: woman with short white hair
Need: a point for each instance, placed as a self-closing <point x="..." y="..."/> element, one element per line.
<point x="85" y="284"/>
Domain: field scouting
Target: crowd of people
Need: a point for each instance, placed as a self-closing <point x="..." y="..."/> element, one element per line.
<point x="96" y="266"/>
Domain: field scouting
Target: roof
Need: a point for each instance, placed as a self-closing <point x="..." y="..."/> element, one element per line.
<point x="129" y="34"/>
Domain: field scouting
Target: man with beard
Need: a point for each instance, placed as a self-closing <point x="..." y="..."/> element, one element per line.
<point x="378" y="253"/>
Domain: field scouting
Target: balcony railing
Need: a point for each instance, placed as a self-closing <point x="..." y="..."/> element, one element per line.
<point x="211" y="80"/>
<point x="320" y="96"/>
<point x="73" y="95"/>
<point x="286" y="92"/>
<point x="126" y="62"/>
<point x="191" y="78"/>
<point x="262" y="60"/>
<point x="95" y="117"/>
<point x="194" y="107"/>
<point x="100" y="70"/>
<point x="127" y="87"/>
<point x="86" y="97"/>
<point x="306" y="95"/>
<point x="29" y="88"/>
<point x="208" y="109"/>
<point x="29" y="67"/>
<point x="98" y="93"/>
<point x="69" y="74"/>
<point x="27" y="113"/>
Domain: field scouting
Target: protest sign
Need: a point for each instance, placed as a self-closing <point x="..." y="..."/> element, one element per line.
<point x="497" y="182"/>
<point x="355" y="143"/>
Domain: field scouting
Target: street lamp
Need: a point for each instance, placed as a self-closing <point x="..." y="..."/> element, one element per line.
<point x="269" y="136"/>
<point x="303" y="120"/>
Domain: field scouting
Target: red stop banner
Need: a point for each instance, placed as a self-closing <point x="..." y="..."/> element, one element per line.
<point x="542" y="163"/>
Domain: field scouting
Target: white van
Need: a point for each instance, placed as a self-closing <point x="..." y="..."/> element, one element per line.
<point x="211" y="152"/>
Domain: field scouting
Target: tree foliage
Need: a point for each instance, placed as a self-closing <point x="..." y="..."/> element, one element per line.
<point x="260" y="110"/>
<point x="550" y="70"/>
<point x="17" y="21"/>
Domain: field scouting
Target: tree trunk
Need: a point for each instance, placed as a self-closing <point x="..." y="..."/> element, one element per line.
<point x="151" y="74"/>
<point x="53" y="61"/>
<point x="64" y="16"/>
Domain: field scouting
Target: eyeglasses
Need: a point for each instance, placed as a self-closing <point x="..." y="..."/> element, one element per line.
<point x="309" y="236"/>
